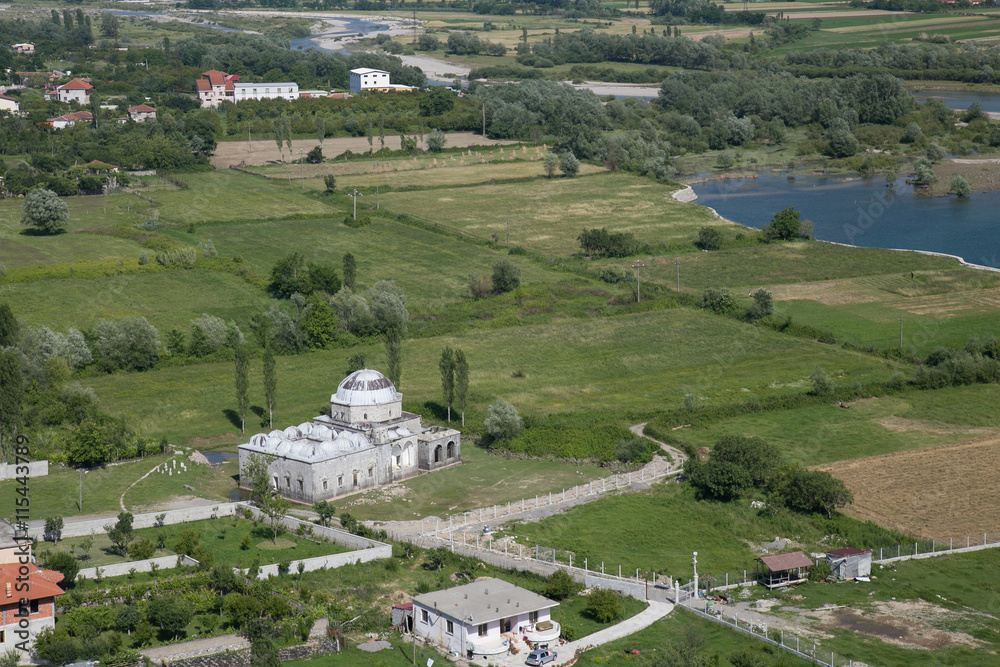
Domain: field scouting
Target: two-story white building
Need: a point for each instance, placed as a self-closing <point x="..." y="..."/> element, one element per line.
<point x="365" y="78"/>
<point x="484" y="618"/>
<point x="76" y="90"/>
<point x="215" y="88"/>
<point x="142" y="113"/>
<point x="9" y="104"/>
<point x="285" y="90"/>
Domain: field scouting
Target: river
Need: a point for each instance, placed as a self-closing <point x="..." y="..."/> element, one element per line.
<point x="864" y="212"/>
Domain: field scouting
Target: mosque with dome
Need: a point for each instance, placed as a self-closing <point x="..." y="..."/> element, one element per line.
<point x="367" y="440"/>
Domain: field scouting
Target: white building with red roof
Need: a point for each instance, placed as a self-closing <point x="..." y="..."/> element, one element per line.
<point x="76" y="90"/>
<point x="70" y="119"/>
<point x="27" y="600"/>
<point x="216" y="87"/>
<point x="142" y="113"/>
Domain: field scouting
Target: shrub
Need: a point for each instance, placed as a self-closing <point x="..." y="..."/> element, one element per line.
<point x="821" y="382"/>
<point x="599" y="242"/>
<point x="560" y="586"/>
<point x="784" y="226"/>
<point x="718" y="301"/>
<point x="569" y="165"/>
<point x="506" y="276"/>
<point x="129" y="344"/>
<point x="820" y="571"/>
<point x="616" y="275"/>
<point x="357" y="223"/>
<point x="502" y="420"/>
<point x="436" y="141"/>
<point x="960" y="186"/>
<point x="141" y="549"/>
<point x="709" y="238"/>
<point x="604" y="605"/>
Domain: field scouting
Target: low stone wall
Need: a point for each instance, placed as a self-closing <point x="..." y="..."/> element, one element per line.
<point x="237" y="654"/>
<point x="76" y="528"/>
<point x="120" y="569"/>
<point x="35" y="469"/>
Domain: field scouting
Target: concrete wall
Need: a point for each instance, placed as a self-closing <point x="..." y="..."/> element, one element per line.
<point x="120" y="569"/>
<point x="35" y="469"/>
<point x="74" y="528"/>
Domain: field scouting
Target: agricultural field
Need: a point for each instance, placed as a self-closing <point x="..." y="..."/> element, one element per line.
<point x="547" y="215"/>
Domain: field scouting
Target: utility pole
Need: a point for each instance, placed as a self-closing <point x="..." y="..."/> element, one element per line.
<point x="637" y="265"/>
<point x="355" y="195"/>
<point x="694" y="560"/>
<point x="677" y="261"/>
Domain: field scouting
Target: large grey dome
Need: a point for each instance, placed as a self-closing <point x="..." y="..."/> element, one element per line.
<point x="365" y="387"/>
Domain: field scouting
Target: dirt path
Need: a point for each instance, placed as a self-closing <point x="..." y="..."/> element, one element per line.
<point x="677" y="455"/>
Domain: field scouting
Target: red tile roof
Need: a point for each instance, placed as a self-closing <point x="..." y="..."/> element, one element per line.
<point x="41" y="583"/>
<point x="405" y="605"/>
<point x="216" y="77"/>
<point x="203" y="85"/>
<point x="849" y="551"/>
<point x="5" y="97"/>
<point x="98" y="163"/>
<point x="76" y="115"/>
<point x="76" y="84"/>
<point x="142" y="108"/>
<point x="789" y="561"/>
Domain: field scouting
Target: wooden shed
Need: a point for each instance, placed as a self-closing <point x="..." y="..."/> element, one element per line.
<point x="783" y="569"/>
<point x="402" y="617"/>
<point x="849" y="562"/>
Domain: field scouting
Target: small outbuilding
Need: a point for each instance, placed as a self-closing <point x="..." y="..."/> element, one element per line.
<point x="783" y="569"/>
<point x="402" y="617"/>
<point x="849" y="562"/>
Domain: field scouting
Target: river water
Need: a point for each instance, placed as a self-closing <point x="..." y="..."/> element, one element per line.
<point x="864" y="212"/>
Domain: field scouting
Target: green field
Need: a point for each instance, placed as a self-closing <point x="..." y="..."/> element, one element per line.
<point x="826" y="433"/>
<point x="547" y="215"/>
<point x="643" y="363"/>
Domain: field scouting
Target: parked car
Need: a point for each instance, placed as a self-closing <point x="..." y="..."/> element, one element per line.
<point x="540" y="657"/>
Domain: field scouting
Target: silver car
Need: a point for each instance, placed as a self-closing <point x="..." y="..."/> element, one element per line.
<point x="539" y="657"/>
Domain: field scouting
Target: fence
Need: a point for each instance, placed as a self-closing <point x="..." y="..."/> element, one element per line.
<point x="76" y="528"/>
<point x="120" y="569"/>
<point x="927" y="549"/>
<point x="807" y="649"/>
<point x="35" y="469"/>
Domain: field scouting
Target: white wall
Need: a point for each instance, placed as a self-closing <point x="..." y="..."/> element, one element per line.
<point x="120" y="569"/>
<point x="35" y="468"/>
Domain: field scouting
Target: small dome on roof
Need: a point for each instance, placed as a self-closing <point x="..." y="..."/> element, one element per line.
<point x="320" y="432"/>
<point x="259" y="440"/>
<point x="328" y="448"/>
<point x="305" y="428"/>
<point x="293" y="433"/>
<point x="283" y="447"/>
<point x="365" y="387"/>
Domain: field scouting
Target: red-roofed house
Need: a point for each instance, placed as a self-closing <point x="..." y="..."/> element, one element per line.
<point x="9" y="104"/>
<point x="70" y="119"/>
<point x="141" y="113"/>
<point x="215" y="88"/>
<point x="74" y="91"/>
<point x="30" y="598"/>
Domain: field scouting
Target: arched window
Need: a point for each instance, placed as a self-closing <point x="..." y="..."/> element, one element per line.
<point x="451" y="450"/>
<point x="437" y="454"/>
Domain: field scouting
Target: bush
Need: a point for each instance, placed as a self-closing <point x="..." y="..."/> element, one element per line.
<point x="560" y="586"/>
<point x="436" y="141"/>
<point x="506" y="276"/>
<point x="784" y="226"/>
<point x="820" y="571"/>
<point x="315" y="156"/>
<point x="605" y="605"/>
<point x="615" y="275"/>
<point x="141" y="549"/>
<point x="503" y="421"/>
<point x="718" y="301"/>
<point x="130" y="344"/>
<point x="709" y="238"/>
<point x="599" y="242"/>
<point x="60" y="561"/>
<point x="821" y="382"/>
<point x="357" y="223"/>
<point x="960" y="186"/>
<point x="569" y="164"/>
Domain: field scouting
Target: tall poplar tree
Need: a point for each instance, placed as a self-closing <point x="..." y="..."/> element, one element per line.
<point x="447" y="366"/>
<point x="461" y="381"/>
<point x="270" y="384"/>
<point x="242" y="383"/>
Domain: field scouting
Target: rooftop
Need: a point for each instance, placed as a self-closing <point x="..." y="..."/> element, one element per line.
<point x="76" y="84"/>
<point x="368" y="70"/>
<point x="365" y="387"/>
<point x="142" y="108"/>
<point x="788" y="561"/>
<point x="848" y="551"/>
<point x="485" y="600"/>
<point x="41" y="584"/>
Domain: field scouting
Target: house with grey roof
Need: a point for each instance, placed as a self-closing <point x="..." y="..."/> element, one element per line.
<point x="484" y="618"/>
<point x="367" y="440"/>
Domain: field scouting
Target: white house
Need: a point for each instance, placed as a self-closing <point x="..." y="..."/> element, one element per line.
<point x="25" y="48"/>
<point x="70" y="119"/>
<point x="216" y="88"/>
<point x="285" y="90"/>
<point x="27" y="593"/>
<point x="9" y="104"/>
<point x="74" y="91"/>
<point x="364" y="78"/>
<point x="484" y="617"/>
<point x="141" y="113"/>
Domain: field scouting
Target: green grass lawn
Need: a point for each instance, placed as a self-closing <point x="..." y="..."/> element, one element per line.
<point x="826" y="433"/>
<point x="658" y="529"/>
<point x="57" y="494"/>
<point x="222" y="537"/>
<point x="642" y="363"/>
<point x="401" y="655"/>
<point x="548" y="215"/>
<point x="165" y="298"/>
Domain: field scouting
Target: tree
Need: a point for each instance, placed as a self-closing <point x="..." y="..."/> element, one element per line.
<point x="436" y="141"/>
<point x="502" y="420"/>
<point x="569" y="165"/>
<point x="8" y="326"/>
<point x="447" y="366"/>
<point x="815" y="491"/>
<point x="263" y="653"/>
<point x="763" y="305"/>
<point x="842" y="141"/>
<point x="314" y="156"/>
<point x="170" y="614"/>
<point x="242" y="382"/>
<point x="718" y="301"/>
<point x="725" y="160"/>
<point x="121" y="533"/>
<point x="254" y="476"/>
<point x="45" y="211"/>
<point x="709" y="238"/>
<point x="279" y="135"/>
<point x="356" y="362"/>
<point x="320" y="130"/>
<point x="960" y="186"/>
<point x="330" y="182"/>
<point x="461" y="381"/>
<point x="605" y="605"/>
<point x="785" y="225"/>
<point x="350" y="270"/>
<point x="551" y="163"/>
<point x="270" y="383"/>
<point x="394" y="356"/>
<point x="53" y="529"/>
<point x="325" y="510"/>
<point x="142" y="549"/>
<point x="388" y="306"/>
<point x="60" y="561"/>
<point x="925" y="173"/>
<point x="289" y="275"/>
<point x="935" y="153"/>
<point x="274" y="506"/>
<point x="821" y="382"/>
<point x="129" y="344"/>
<point x="11" y="392"/>
<point x="127" y="619"/>
<point x="506" y="276"/>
